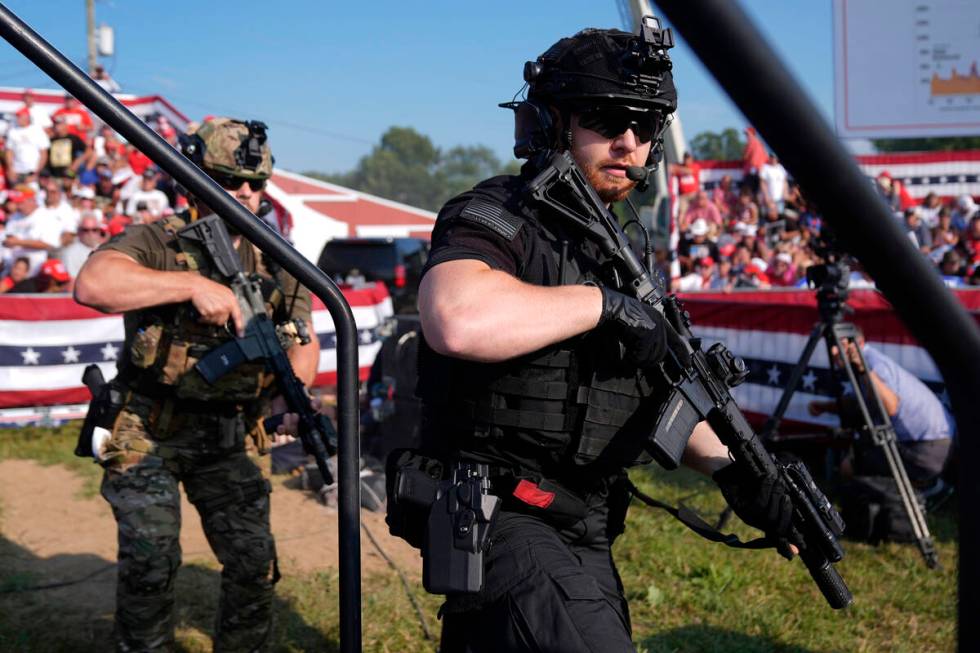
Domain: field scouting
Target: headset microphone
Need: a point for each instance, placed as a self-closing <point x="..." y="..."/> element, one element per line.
<point x="641" y="175"/>
<point x="637" y="173"/>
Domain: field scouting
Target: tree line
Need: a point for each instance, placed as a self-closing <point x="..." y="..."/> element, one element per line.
<point x="406" y="166"/>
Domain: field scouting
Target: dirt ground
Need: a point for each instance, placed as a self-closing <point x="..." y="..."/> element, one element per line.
<point x="58" y="536"/>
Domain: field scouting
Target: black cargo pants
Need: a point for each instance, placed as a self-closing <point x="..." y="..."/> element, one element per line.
<point x="541" y="594"/>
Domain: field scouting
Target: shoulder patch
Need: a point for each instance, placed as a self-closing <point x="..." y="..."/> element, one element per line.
<point x="492" y="216"/>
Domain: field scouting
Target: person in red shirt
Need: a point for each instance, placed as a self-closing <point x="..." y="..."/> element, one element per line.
<point x="688" y="175"/>
<point x="753" y="158"/>
<point x="76" y="117"/>
<point x="138" y="161"/>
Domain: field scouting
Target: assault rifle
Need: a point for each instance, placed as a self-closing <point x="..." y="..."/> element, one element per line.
<point x="261" y="342"/>
<point x="699" y="391"/>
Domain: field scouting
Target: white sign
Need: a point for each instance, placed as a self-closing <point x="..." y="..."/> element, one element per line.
<point x="907" y="68"/>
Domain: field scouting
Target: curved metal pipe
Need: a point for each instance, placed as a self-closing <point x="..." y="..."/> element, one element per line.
<point x="66" y="74"/>
<point x="753" y="75"/>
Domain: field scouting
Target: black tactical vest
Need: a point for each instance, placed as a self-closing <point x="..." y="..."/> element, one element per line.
<point x="571" y="404"/>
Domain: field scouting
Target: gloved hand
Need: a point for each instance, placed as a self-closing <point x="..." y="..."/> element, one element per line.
<point x="641" y="328"/>
<point x="764" y="504"/>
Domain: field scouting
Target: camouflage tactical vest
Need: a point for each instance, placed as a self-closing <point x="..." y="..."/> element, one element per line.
<point x="165" y="342"/>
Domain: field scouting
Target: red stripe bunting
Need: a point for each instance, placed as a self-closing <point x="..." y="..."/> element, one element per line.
<point x="63" y="307"/>
<point x="796" y="312"/>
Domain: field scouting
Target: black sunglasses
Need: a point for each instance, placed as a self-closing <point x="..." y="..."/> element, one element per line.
<point x="610" y="122"/>
<point x="231" y="182"/>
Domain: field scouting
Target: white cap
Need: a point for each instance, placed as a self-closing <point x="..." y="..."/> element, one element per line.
<point x="760" y="263"/>
<point x="699" y="227"/>
<point x="785" y="257"/>
<point x="85" y="192"/>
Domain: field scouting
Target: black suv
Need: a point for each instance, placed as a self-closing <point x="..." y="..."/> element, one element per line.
<point x="395" y="261"/>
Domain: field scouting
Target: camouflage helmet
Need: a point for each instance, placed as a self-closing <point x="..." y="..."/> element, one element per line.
<point x="231" y="147"/>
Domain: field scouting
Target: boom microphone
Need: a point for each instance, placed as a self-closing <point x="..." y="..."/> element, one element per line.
<point x="637" y="173"/>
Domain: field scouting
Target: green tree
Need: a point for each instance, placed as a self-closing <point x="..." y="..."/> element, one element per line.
<point x="726" y="145"/>
<point x="464" y="166"/>
<point x="926" y="144"/>
<point x="407" y="167"/>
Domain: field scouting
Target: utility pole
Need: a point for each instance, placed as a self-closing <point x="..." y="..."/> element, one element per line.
<point x="90" y="33"/>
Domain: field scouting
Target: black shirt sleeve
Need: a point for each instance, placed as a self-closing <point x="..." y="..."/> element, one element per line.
<point x="455" y="238"/>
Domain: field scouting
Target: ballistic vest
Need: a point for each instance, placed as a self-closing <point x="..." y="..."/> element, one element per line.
<point x="163" y="343"/>
<point x="574" y="403"/>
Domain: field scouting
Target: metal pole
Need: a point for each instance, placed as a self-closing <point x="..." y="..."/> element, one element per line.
<point x="93" y="59"/>
<point x="62" y="71"/>
<point x="754" y="77"/>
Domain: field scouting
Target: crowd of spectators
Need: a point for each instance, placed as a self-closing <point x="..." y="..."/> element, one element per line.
<point x="67" y="184"/>
<point x="762" y="232"/>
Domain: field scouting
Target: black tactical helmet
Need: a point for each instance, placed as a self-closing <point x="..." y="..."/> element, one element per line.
<point x="595" y="67"/>
<point x="606" y="66"/>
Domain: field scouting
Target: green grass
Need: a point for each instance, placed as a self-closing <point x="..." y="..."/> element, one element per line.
<point x="51" y="446"/>
<point x="686" y="594"/>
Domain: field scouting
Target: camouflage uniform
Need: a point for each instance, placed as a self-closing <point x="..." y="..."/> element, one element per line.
<point x="174" y="428"/>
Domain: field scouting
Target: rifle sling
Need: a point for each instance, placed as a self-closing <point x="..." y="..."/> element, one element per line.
<point x="692" y="520"/>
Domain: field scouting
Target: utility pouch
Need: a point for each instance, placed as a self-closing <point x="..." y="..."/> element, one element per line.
<point x="107" y="400"/>
<point x="145" y="348"/>
<point x="544" y="499"/>
<point x="458" y="531"/>
<point x="412" y="483"/>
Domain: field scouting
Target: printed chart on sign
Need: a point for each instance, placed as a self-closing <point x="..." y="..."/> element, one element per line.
<point x="948" y="46"/>
<point x="907" y="67"/>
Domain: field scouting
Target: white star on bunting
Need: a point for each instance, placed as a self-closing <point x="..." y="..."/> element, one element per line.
<point x="773" y="373"/>
<point x="70" y="355"/>
<point x="809" y="380"/>
<point x="109" y="352"/>
<point x="30" y="356"/>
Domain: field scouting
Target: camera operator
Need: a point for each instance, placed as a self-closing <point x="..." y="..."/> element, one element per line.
<point x="923" y="426"/>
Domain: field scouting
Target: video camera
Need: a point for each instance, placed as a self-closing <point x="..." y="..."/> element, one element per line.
<point x="830" y="279"/>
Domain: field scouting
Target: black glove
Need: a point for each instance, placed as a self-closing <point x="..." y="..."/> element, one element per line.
<point x="761" y="503"/>
<point x="642" y="329"/>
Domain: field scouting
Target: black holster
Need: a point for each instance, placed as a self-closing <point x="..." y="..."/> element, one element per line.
<point x="458" y="532"/>
<point x="107" y="400"/>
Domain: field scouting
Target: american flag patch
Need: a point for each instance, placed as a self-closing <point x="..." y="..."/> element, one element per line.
<point x="492" y="216"/>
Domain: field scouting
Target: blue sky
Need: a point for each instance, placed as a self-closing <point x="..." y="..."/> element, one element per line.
<point x="330" y="77"/>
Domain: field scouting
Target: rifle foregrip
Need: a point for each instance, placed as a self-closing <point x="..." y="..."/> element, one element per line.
<point x="831" y="584"/>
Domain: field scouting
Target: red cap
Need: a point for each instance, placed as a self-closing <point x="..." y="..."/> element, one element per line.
<point x="884" y="174"/>
<point x="23" y="111"/>
<point x="19" y="194"/>
<point x="118" y="224"/>
<point x="55" y="269"/>
<point x="707" y="262"/>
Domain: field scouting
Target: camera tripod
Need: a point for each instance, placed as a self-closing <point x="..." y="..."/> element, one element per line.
<point x="831" y="281"/>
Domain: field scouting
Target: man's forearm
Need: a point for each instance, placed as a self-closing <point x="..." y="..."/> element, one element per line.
<point x="705" y="452"/>
<point x="491" y="316"/>
<point x="29" y="244"/>
<point x="305" y="359"/>
<point x="889" y="399"/>
<point x="114" y="283"/>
